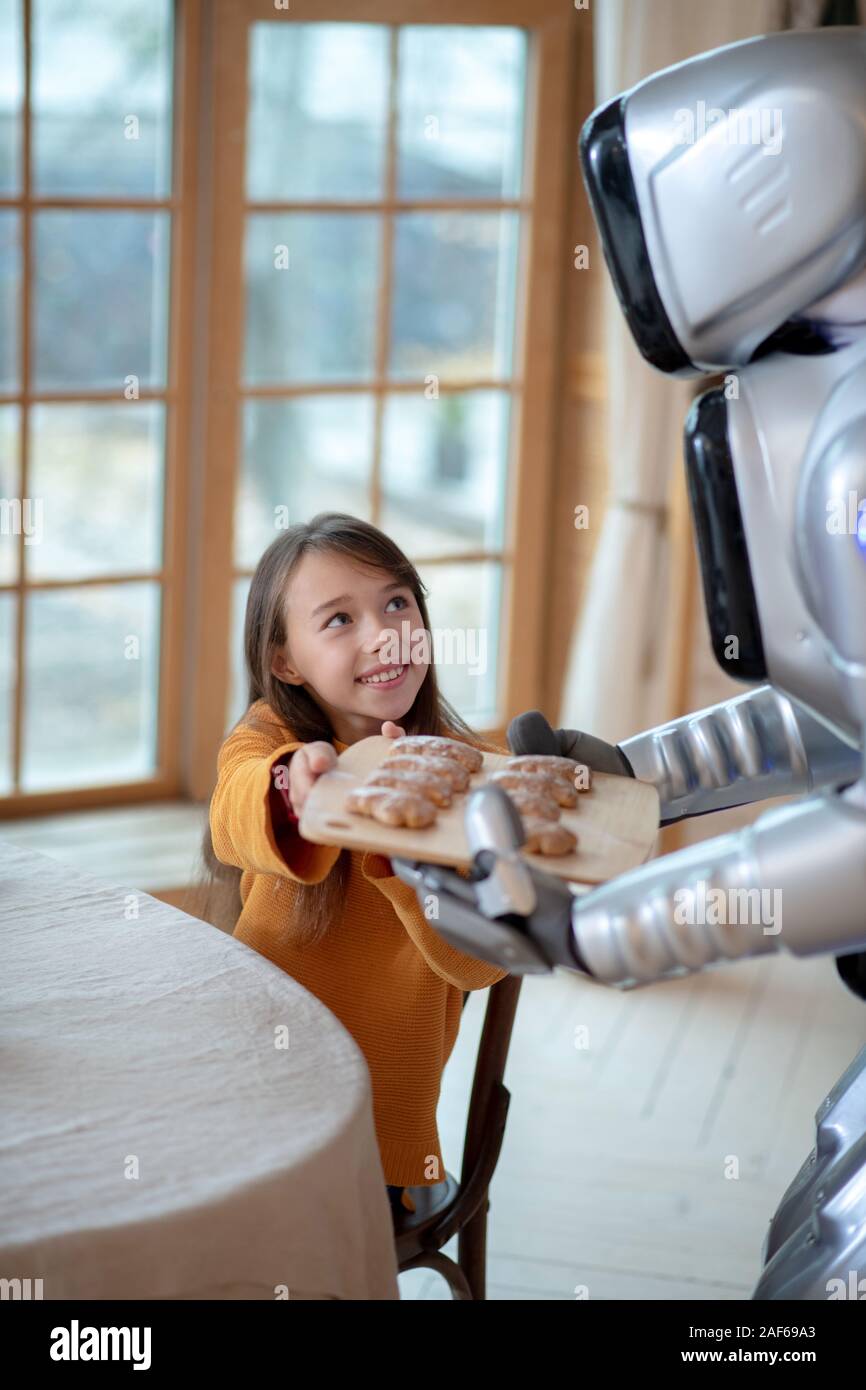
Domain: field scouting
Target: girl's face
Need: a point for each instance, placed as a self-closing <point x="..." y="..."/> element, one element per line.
<point x="344" y="621"/>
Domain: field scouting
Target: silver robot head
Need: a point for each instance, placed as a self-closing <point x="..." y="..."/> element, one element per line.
<point x="729" y="191"/>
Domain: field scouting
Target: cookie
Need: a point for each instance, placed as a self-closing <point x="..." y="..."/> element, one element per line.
<point x="456" y="774"/>
<point x="435" y="788"/>
<point x="391" y="807"/>
<point x="559" y="790"/>
<point x="538" y="805"/>
<point x="544" y="838"/>
<point x="578" y="775"/>
<point x="426" y="745"/>
<point x="563" y="792"/>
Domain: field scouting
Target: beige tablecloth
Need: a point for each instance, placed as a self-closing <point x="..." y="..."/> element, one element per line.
<point x="156" y="1142"/>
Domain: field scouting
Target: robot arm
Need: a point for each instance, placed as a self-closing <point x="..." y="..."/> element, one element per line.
<point x="735" y="896"/>
<point x="750" y="748"/>
<point x="753" y="747"/>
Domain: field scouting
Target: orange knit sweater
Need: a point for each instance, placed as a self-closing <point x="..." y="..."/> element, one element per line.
<point x="393" y="982"/>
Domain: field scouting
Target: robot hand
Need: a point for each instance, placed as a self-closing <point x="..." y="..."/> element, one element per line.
<point x="507" y="912"/>
<point x="531" y="733"/>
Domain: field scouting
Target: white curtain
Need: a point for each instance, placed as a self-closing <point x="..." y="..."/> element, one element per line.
<point x="617" y="675"/>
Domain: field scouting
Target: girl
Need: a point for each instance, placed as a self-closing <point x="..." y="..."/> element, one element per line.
<point x="326" y="601"/>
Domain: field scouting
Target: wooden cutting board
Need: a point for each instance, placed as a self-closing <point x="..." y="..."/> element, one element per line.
<point x="615" y="823"/>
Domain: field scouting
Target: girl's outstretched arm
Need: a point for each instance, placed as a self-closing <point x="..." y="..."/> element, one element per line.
<point x="245" y="820"/>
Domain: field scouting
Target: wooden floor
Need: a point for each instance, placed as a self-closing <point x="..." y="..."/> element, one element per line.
<point x="612" y="1178"/>
<point x="154" y="846"/>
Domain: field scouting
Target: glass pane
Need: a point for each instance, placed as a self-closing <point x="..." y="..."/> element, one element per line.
<point x="98" y="471"/>
<point x="318" y="111"/>
<point x="444" y="471"/>
<point x="301" y="456"/>
<point x="238" y="694"/>
<point x="460" y="128"/>
<point x="92" y="658"/>
<point x="11" y="94"/>
<point x="464" y="606"/>
<point x="454" y="290"/>
<point x="15" y="516"/>
<point x="7" y="688"/>
<point x="10" y="292"/>
<point x="102" y="97"/>
<point x="101" y="290"/>
<point x="311" y="293"/>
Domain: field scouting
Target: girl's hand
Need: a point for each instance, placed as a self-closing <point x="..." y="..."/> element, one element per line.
<point x="305" y="766"/>
<point x="392" y="730"/>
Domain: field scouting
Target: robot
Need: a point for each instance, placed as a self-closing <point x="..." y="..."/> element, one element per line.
<point x="736" y="247"/>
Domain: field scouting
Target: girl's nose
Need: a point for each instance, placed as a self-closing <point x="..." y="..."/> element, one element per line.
<point x="373" y="634"/>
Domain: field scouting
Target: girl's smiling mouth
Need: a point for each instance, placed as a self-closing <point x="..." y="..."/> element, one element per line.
<point x="383" y="677"/>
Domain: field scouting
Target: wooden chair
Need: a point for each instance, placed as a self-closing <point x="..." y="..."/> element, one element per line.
<point x="461" y="1207"/>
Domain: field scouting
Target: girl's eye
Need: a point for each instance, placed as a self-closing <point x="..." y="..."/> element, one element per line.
<point x="398" y="598"/>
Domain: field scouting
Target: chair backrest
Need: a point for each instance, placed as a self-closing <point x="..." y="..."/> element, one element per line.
<point x="488" y="1101"/>
<point x="460" y="1208"/>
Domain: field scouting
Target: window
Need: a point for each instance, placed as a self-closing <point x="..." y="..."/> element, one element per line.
<point x="257" y="261"/>
<point x="380" y="283"/>
<point x="85" y="236"/>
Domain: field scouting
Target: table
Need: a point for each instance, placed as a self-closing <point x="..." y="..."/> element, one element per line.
<point x="159" y="1139"/>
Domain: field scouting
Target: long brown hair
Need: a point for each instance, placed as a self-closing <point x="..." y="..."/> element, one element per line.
<point x="317" y="904"/>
